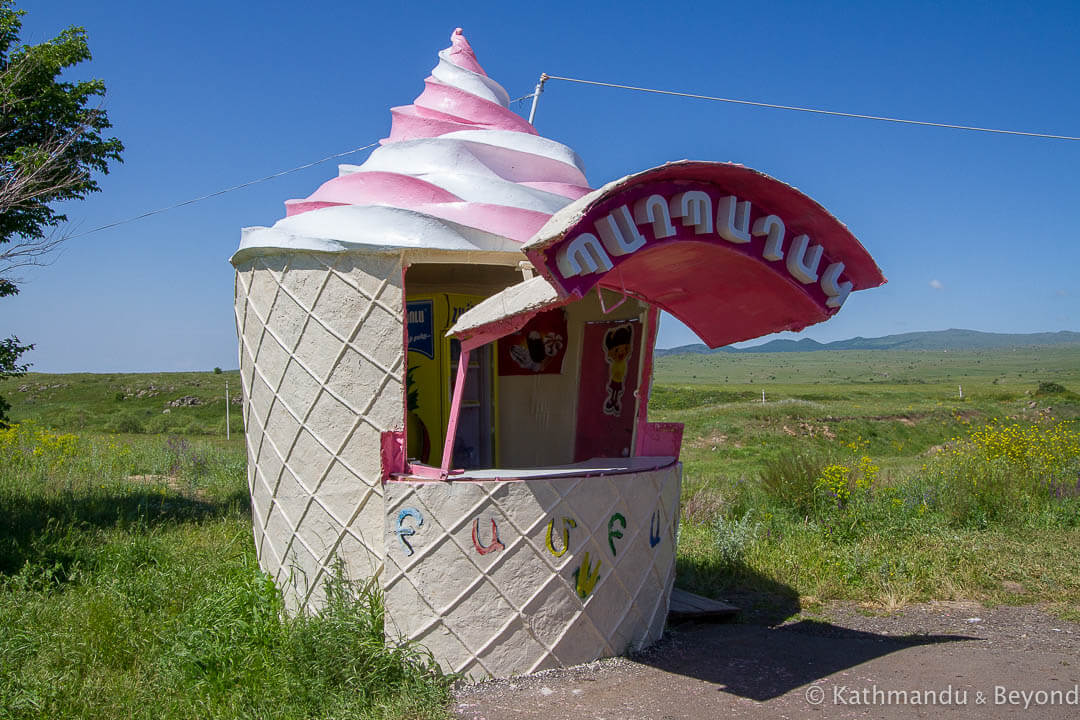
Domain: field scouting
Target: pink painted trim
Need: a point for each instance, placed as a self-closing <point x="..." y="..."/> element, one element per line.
<point x="799" y="211"/>
<point x="645" y="383"/>
<point x="455" y="409"/>
<point x="392" y="452"/>
<point x="661" y="439"/>
<point x="426" y="473"/>
<point x="461" y="53"/>
<point x="404" y="364"/>
<point x="422" y="471"/>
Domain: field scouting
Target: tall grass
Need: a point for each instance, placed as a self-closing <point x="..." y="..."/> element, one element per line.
<point x="1011" y="474"/>
<point x="1001" y="503"/>
<point x="128" y="588"/>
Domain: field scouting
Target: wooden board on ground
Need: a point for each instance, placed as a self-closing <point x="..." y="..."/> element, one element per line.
<point x="688" y="606"/>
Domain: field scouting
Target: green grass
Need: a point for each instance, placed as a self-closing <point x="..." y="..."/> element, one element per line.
<point x="133" y="403"/>
<point x="129" y="587"/>
<point x="752" y="470"/>
<point x="902" y="403"/>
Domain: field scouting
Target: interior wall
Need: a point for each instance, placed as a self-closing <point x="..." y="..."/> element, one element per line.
<point x="432" y="387"/>
<point x="538" y="414"/>
<point x="483" y="280"/>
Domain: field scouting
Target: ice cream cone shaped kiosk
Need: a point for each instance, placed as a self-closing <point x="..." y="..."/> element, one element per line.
<point x="446" y="356"/>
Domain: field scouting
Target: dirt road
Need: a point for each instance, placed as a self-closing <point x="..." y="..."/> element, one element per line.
<point x="937" y="660"/>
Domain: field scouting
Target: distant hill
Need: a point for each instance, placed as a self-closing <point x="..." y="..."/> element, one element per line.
<point x="933" y="340"/>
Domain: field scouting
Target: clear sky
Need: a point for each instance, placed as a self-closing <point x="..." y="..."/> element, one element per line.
<point x="973" y="230"/>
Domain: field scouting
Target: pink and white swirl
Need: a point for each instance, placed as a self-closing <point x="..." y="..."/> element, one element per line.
<point x="460" y="171"/>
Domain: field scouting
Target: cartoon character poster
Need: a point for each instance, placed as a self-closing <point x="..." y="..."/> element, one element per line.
<point x="536" y="349"/>
<point x="609" y="379"/>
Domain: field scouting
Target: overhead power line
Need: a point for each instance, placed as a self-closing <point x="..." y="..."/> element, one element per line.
<point x="534" y="95"/>
<point x="222" y="192"/>
<point x="818" y="111"/>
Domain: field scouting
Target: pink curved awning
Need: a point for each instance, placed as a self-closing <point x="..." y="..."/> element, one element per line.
<point x="730" y="251"/>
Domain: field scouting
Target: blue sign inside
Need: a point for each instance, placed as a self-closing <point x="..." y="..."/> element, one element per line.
<point x="421" y="327"/>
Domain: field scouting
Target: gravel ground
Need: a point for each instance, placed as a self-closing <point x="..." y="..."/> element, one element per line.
<point x="933" y="660"/>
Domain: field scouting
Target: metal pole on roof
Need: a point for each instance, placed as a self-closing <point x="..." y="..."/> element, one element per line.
<point x="536" y="96"/>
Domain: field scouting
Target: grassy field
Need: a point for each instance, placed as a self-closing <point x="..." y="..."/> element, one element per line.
<point x="129" y="588"/>
<point x="128" y="581"/>
<point x="190" y="403"/>
<point x="764" y="523"/>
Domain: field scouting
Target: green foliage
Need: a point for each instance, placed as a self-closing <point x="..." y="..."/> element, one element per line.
<point x="1051" y="388"/>
<point x="791" y="479"/>
<point x="50" y="144"/>
<point x="50" y="130"/>
<point x="997" y="504"/>
<point x="870" y="480"/>
<point x="129" y="588"/>
<point x="124" y="422"/>
<point x="1010" y="474"/>
<point x="733" y="538"/>
<point x="133" y="403"/>
<point x="670" y="397"/>
<point x="10" y="352"/>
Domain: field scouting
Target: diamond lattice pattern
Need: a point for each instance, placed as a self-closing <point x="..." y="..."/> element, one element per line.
<point x="321" y="362"/>
<point x="517" y="609"/>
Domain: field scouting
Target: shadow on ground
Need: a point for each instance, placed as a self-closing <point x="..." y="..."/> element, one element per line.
<point x="755" y="655"/>
<point x="760" y="662"/>
<point x="760" y="599"/>
<point x="51" y="532"/>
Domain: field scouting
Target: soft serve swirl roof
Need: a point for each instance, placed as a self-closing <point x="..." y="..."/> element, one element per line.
<point x="460" y="171"/>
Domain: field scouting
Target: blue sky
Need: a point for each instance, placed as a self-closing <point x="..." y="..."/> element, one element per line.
<point x="973" y="230"/>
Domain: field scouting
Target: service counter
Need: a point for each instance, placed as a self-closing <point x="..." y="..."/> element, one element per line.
<point x="506" y="571"/>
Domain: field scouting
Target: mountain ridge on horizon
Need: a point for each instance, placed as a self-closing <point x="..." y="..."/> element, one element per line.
<point x="951" y="339"/>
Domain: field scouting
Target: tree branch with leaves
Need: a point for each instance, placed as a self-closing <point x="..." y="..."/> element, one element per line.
<point x="51" y="144"/>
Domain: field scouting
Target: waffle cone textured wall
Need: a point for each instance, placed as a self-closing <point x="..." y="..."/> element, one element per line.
<point x="321" y="364"/>
<point x="509" y="577"/>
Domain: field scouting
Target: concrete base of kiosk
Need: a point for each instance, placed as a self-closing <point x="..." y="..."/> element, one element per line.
<point x="537" y="569"/>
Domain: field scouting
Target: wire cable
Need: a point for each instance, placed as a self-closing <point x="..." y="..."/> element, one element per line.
<point x="812" y="110"/>
<point x="222" y="192"/>
<point x="599" y="83"/>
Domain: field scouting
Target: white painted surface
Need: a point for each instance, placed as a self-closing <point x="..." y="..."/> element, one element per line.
<point x="321" y="365"/>
<point x="368" y="228"/>
<point x="530" y="295"/>
<point x="538" y="413"/>
<point x="459" y="172"/>
<point x="517" y="609"/>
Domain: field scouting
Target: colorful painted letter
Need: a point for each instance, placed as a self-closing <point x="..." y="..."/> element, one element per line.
<point x="612" y="533"/>
<point x="495" y="543"/>
<point x="586" y="577"/>
<point x="567" y="524"/>
<point x="403" y="532"/>
<point x="654" y="529"/>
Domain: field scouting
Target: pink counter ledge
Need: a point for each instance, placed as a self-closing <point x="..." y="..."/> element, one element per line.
<point x="587" y="468"/>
